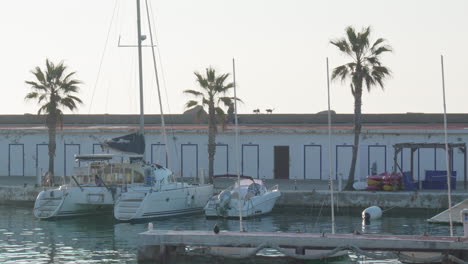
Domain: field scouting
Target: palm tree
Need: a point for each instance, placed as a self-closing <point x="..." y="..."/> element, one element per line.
<point x="365" y="69"/>
<point x="212" y="95"/>
<point x="54" y="90"/>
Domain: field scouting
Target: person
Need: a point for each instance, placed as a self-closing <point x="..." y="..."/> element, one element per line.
<point x="98" y="181"/>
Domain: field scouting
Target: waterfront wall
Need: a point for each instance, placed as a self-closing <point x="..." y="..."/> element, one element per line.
<point x="289" y="198"/>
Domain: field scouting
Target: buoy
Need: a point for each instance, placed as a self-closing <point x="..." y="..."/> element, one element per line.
<point x="371" y="213"/>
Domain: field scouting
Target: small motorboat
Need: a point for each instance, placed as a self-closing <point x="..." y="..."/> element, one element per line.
<point x="251" y="195"/>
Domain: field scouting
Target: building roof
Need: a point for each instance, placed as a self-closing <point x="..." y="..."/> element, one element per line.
<point x="246" y="121"/>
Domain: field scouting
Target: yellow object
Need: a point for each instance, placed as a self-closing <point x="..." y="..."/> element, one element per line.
<point x="388" y="188"/>
<point x="373" y="182"/>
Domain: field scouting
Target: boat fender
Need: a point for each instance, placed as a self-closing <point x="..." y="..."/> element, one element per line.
<point x="371" y="213"/>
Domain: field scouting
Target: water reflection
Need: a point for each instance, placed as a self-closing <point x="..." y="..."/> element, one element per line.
<point x="100" y="239"/>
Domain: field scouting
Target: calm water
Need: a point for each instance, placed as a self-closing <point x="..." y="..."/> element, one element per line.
<point x="100" y="239"/>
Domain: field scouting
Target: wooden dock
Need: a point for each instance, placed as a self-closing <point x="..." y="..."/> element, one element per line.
<point x="455" y="211"/>
<point x="156" y="244"/>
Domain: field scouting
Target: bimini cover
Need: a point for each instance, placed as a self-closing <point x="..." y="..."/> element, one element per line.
<point x="131" y="143"/>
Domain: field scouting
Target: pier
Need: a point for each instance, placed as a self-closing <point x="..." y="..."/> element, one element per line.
<point x="162" y="244"/>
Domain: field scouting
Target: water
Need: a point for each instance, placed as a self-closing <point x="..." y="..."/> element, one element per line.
<point x="100" y="239"/>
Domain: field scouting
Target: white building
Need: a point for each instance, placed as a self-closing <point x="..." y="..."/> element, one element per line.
<point x="291" y="146"/>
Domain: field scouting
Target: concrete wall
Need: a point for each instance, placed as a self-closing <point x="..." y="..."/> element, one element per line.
<point x="23" y="152"/>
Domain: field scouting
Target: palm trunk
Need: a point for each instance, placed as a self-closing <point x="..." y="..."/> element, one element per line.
<point x="52" y="126"/>
<point x="211" y="141"/>
<point x="357" y="133"/>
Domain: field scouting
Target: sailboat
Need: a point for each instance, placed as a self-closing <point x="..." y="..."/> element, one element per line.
<point x="162" y="195"/>
<point x="93" y="187"/>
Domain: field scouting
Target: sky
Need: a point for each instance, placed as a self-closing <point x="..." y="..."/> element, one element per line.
<point x="279" y="46"/>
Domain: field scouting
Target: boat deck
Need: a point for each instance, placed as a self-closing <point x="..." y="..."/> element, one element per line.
<point x="455" y="211"/>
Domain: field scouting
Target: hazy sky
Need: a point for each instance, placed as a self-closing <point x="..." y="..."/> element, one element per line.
<point x="280" y="48"/>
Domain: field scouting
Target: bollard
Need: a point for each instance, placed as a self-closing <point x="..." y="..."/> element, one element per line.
<point x="464" y="217"/>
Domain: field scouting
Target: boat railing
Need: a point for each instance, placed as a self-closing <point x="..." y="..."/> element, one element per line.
<point x="274" y="188"/>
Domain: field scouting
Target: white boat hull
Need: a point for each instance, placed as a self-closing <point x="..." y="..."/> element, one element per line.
<point x="257" y="205"/>
<point x="173" y="199"/>
<point x="74" y="201"/>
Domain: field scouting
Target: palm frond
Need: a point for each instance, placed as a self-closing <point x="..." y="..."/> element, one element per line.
<point x="31" y="95"/>
<point x="202" y="81"/>
<point x="68" y="103"/>
<point x="377" y="43"/>
<point x="340" y="72"/>
<point x="227" y="101"/>
<point x="363" y="38"/>
<point x="381" y="50"/>
<point x="191" y="104"/>
<point x="343" y="46"/>
<point x="193" y="92"/>
<point x="225" y="88"/>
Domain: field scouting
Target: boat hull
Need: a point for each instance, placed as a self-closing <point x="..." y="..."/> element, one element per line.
<point x="255" y="206"/>
<point x="144" y="203"/>
<point x="74" y="201"/>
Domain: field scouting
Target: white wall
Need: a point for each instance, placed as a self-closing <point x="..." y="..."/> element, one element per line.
<point x="308" y="151"/>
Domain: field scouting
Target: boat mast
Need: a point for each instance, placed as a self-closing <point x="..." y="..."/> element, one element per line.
<point x="330" y="156"/>
<point x="163" y="123"/>
<point x="239" y="204"/>
<point x="140" y="70"/>
<point x="448" y="165"/>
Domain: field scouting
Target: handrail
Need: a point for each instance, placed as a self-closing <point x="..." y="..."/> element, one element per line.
<point x="73" y="177"/>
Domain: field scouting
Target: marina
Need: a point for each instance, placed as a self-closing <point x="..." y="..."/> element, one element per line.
<point x="144" y="175"/>
<point x="98" y="239"/>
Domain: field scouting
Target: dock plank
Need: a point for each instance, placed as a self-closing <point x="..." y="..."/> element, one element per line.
<point x="303" y="240"/>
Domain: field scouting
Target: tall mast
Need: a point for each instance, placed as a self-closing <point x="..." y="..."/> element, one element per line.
<point x="332" y="203"/>
<point x="239" y="204"/>
<point x="447" y="162"/>
<point x="163" y="123"/>
<point x="140" y="70"/>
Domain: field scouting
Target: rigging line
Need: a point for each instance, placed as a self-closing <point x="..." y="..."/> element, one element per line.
<point x="102" y="56"/>
<point x="163" y="124"/>
<point x="447" y="162"/>
<point x="163" y="77"/>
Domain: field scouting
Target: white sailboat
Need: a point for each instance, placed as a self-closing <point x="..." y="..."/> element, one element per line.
<point x="92" y="189"/>
<point x="163" y="196"/>
<point x="147" y="190"/>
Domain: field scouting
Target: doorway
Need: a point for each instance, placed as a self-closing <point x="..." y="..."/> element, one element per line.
<point x="281" y="162"/>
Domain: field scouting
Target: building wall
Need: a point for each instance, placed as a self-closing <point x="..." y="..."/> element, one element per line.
<point x="24" y="152"/>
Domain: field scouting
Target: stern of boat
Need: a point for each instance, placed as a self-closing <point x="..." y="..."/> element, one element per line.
<point x="48" y="203"/>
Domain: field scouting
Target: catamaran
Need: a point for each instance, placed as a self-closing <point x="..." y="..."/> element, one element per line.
<point x="92" y="189"/>
<point x="162" y="196"/>
<point x="135" y="189"/>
